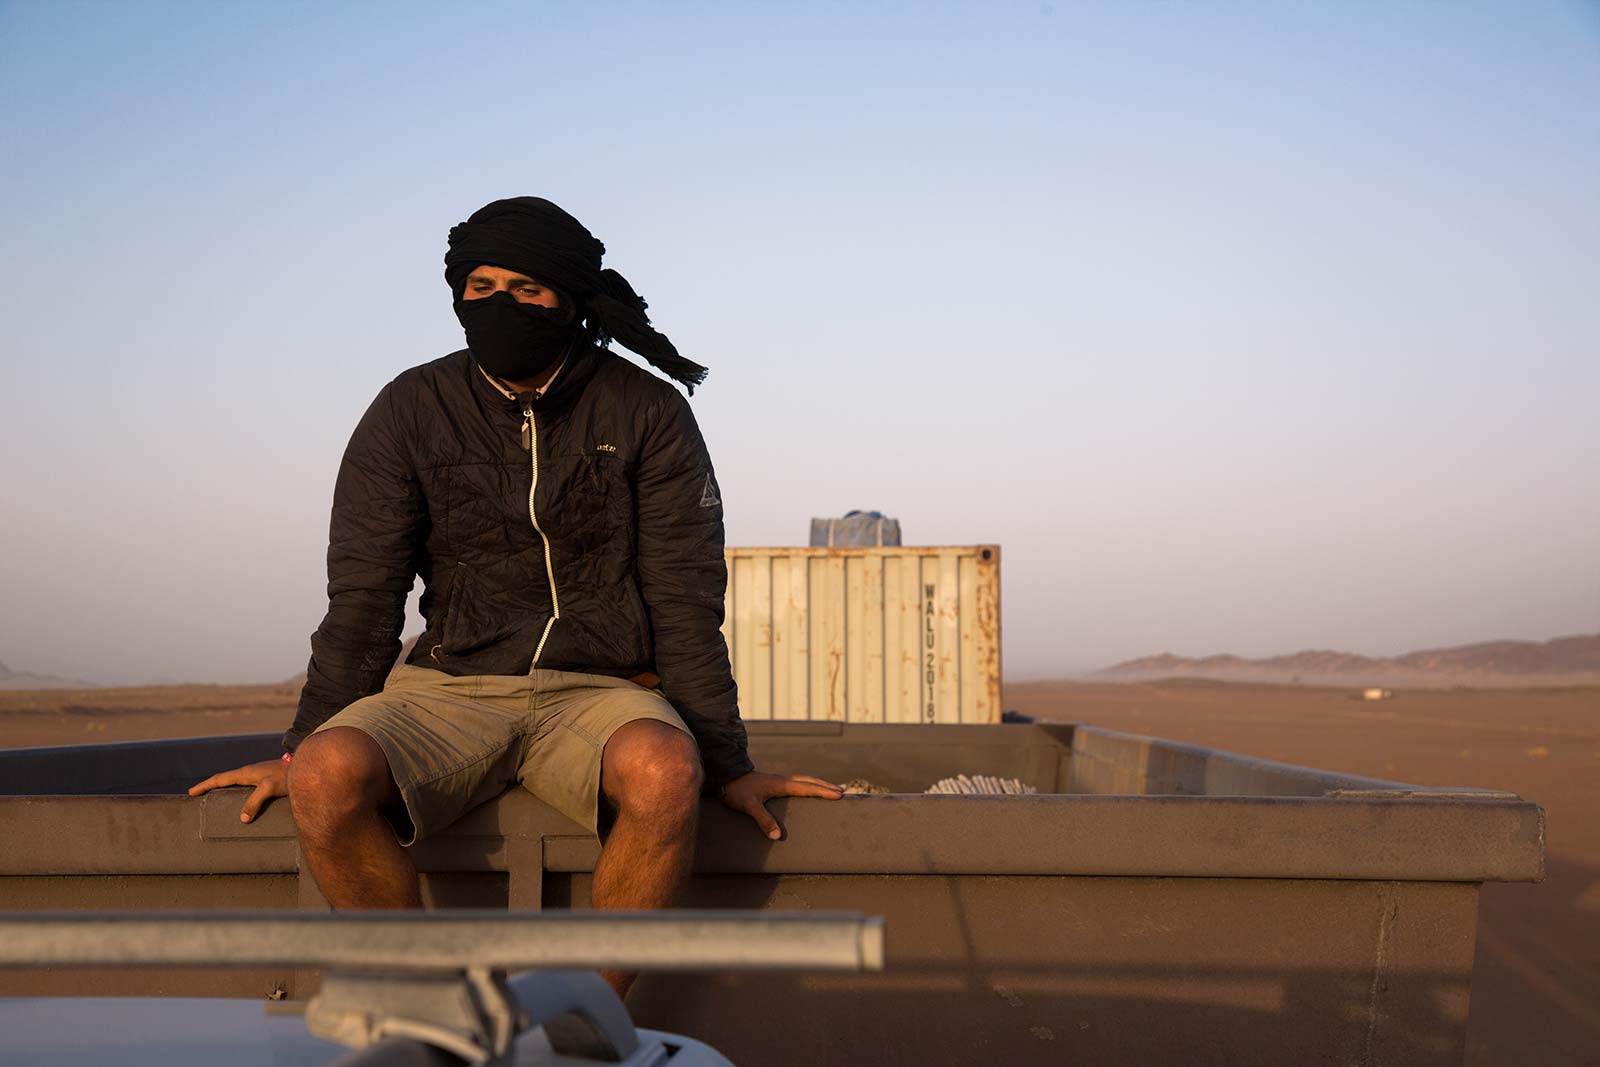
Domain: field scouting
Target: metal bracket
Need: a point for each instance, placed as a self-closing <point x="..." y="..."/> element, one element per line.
<point x="471" y="1014"/>
<point x="438" y="981"/>
<point x="474" y="1015"/>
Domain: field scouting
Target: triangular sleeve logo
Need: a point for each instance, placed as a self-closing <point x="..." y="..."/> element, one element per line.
<point x="709" y="497"/>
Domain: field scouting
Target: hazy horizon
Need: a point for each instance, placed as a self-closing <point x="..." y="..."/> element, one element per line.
<point x="1241" y="328"/>
<point x="1010" y="677"/>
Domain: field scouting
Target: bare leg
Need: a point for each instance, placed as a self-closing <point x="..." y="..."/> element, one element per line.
<point x="338" y="784"/>
<point x="650" y="772"/>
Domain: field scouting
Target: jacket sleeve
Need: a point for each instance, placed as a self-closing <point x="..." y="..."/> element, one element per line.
<point x="684" y="578"/>
<point x="375" y="535"/>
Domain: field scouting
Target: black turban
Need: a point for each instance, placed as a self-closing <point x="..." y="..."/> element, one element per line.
<point x="532" y="236"/>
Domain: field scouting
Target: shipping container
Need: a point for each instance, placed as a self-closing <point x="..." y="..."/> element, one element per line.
<point x="868" y="635"/>
<point x="1153" y="903"/>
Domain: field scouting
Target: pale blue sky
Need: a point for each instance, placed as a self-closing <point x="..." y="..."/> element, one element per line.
<point x="1244" y="327"/>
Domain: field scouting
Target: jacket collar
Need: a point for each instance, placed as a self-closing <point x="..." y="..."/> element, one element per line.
<point x="505" y="390"/>
<point x="564" y="386"/>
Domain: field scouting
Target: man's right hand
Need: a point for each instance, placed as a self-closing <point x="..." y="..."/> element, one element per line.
<point x="270" y="777"/>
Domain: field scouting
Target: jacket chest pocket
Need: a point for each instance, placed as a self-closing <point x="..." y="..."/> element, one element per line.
<point x="591" y="494"/>
<point x="606" y="476"/>
<point x="471" y="505"/>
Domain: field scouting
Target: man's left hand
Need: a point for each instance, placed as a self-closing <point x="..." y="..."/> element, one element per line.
<point x="750" y="793"/>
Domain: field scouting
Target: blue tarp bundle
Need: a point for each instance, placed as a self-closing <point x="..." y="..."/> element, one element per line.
<point x="858" y="529"/>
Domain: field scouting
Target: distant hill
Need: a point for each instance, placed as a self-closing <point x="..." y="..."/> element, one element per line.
<point x="1562" y="661"/>
<point x="10" y="679"/>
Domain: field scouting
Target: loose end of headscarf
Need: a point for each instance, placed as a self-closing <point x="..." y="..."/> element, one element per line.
<point x="619" y="313"/>
<point x="665" y="358"/>
<point x="693" y="374"/>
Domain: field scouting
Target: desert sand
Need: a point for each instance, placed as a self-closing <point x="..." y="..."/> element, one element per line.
<point x="1536" y="994"/>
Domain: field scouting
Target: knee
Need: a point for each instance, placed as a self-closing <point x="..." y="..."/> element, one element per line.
<point x="654" y="770"/>
<point x="336" y="773"/>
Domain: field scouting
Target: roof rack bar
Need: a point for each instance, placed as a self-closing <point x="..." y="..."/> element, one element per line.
<point x="448" y="941"/>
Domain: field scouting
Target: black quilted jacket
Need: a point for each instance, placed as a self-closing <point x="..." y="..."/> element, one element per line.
<point x="586" y="536"/>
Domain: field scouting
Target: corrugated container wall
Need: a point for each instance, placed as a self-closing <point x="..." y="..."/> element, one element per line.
<point x="905" y="634"/>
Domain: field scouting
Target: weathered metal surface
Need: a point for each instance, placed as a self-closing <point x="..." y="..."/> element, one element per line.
<point x="151" y="893"/>
<point x="1049" y="971"/>
<point x="1108" y="761"/>
<point x="1412" y="838"/>
<point x="151" y="767"/>
<point x="1155" y="903"/>
<point x="879" y="635"/>
<point x="1409" y="839"/>
<point x="1383" y="830"/>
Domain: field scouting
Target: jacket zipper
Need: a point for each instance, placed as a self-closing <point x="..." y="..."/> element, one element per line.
<point x="533" y="516"/>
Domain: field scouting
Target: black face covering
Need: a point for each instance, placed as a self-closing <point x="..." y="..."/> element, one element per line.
<point x="513" y="340"/>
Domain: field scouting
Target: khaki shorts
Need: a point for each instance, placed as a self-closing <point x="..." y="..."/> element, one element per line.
<point x="453" y="743"/>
